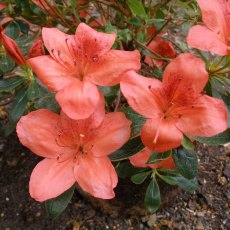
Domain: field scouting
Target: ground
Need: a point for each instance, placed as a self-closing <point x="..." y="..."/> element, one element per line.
<point x="207" y="208"/>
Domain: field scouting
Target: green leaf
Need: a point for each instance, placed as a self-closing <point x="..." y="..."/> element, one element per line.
<point x="74" y="4"/>
<point x="132" y="147"/>
<point x="56" y="206"/>
<point x="110" y="93"/>
<point x="13" y="30"/>
<point x="6" y="64"/>
<point x="24" y="26"/>
<point x="187" y="144"/>
<point x="140" y="177"/>
<point x="125" y="169"/>
<point x="156" y="158"/>
<point x="10" y="83"/>
<point x="9" y="128"/>
<point x="186" y="162"/>
<point x="35" y="91"/>
<point x="141" y="37"/>
<point x="153" y="196"/>
<point x="219" y="139"/>
<point x="47" y="102"/>
<point x="137" y="8"/>
<point x="19" y="105"/>
<point x="187" y="185"/>
<point x="168" y="179"/>
<point x="137" y="120"/>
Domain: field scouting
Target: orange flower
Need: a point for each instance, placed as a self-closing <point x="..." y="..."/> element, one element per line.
<point x="163" y="48"/>
<point x="77" y="64"/>
<point x="12" y="48"/>
<point x="176" y="105"/>
<point x="74" y="151"/>
<point x="139" y="160"/>
<point x="214" y="36"/>
<point x="37" y="48"/>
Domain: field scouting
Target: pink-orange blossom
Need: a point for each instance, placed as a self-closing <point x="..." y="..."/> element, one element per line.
<point x="77" y="64"/>
<point x="175" y="105"/>
<point x="74" y="151"/>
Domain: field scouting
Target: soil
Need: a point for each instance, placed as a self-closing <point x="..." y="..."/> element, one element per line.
<point x="207" y="208"/>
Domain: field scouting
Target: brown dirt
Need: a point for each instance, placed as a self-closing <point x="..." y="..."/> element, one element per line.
<point x="207" y="208"/>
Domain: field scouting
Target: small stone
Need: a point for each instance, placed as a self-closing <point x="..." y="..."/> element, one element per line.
<point x="38" y="214"/>
<point x="90" y="214"/>
<point x="227" y="170"/>
<point x="144" y="219"/>
<point x="152" y="220"/>
<point x="141" y="226"/>
<point x="199" y="225"/>
<point x="29" y="219"/>
<point x="200" y="214"/>
<point x="2" y="214"/>
<point x="222" y="181"/>
<point x="227" y="195"/>
<point x="7" y="198"/>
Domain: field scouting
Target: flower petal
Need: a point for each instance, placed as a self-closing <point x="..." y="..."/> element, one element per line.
<point x="139" y="160"/>
<point x="96" y="176"/>
<point x="161" y="47"/>
<point x="200" y="37"/>
<point x="182" y="68"/>
<point x="109" y="69"/>
<point x="213" y="17"/>
<point x="55" y="42"/>
<point x="83" y="126"/>
<point x="136" y="90"/>
<point x="207" y="117"/>
<point x="38" y="131"/>
<point x="161" y="135"/>
<point x="12" y="48"/>
<point x="53" y="75"/>
<point x="78" y="100"/>
<point x="111" y="135"/>
<point x="92" y="44"/>
<point x="50" y="179"/>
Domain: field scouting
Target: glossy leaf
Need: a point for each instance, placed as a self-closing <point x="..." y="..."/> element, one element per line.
<point x="56" y="206"/>
<point x="24" y="26"/>
<point x="132" y="147"/>
<point x="10" y="83"/>
<point x="110" y="93"/>
<point x="35" y="91"/>
<point x="124" y="169"/>
<point x="47" y="102"/>
<point x="6" y="64"/>
<point x="187" y="144"/>
<point x="140" y="177"/>
<point x="219" y="139"/>
<point x="168" y="179"/>
<point x="153" y="196"/>
<point x="137" y="120"/>
<point x="156" y="158"/>
<point x="186" y="162"/>
<point x="187" y="185"/>
<point x="137" y="8"/>
<point x="13" y="30"/>
<point x="19" y="105"/>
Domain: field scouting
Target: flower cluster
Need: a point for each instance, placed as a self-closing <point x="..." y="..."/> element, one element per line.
<point x="76" y="143"/>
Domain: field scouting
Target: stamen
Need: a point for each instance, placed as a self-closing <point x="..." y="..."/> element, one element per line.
<point x="158" y="131"/>
<point x="72" y="54"/>
<point x="95" y="58"/>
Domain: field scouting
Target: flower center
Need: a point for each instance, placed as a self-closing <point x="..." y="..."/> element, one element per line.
<point x="74" y="144"/>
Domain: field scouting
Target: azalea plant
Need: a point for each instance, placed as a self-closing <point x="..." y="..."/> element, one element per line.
<point x="102" y="90"/>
